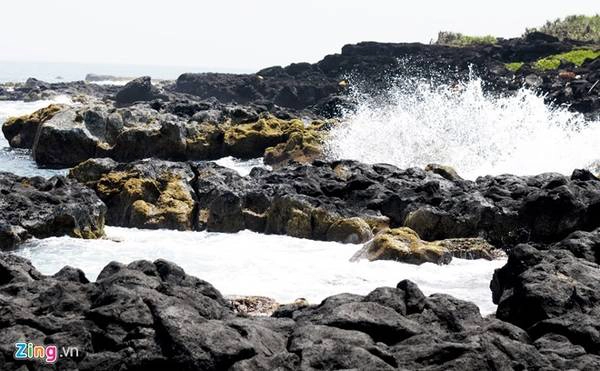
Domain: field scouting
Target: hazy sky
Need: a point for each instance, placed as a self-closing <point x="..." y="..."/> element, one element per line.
<point x="245" y="34"/>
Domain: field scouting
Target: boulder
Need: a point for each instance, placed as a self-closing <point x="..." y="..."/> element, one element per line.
<point x="21" y="131"/>
<point x="303" y="146"/>
<point x="150" y="195"/>
<point x="403" y="245"/>
<point x="538" y="285"/>
<point x="40" y="208"/>
<point x="350" y="230"/>
<point x="446" y="172"/>
<point x="137" y="90"/>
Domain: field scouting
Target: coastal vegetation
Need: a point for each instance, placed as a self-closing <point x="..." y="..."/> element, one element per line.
<point x="458" y="39"/>
<point x="573" y="27"/>
<point x="577" y="57"/>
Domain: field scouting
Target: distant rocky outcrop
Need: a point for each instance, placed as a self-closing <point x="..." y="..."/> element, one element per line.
<point x="93" y="77"/>
<point x="40" y="208"/>
<point x="138" y="90"/>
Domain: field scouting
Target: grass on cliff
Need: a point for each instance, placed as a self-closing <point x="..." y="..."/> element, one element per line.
<point x="458" y="39"/>
<point x="575" y="27"/>
<point x="576" y="57"/>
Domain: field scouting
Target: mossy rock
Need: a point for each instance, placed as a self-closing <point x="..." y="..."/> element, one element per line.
<point x="350" y="230"/>
<point x="403" y="245"/>
<point x="205" y="142"/>
<point x="295" y="218"/>
<point x="21" y="131"/>
<point x="471" y="248"/>
<point x="135" y="201"/>
<point x="577" y="57"/>
<point x="446" y="172"/>
<point x="303" y="146"/>
<point x="251" y="140"/>
<point x="514" y="66"/>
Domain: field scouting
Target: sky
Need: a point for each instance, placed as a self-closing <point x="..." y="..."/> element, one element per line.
<point x="246" y="34"/>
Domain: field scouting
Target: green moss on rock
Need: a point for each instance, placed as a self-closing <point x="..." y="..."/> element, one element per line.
<point x="576" y="57"/>
<point x="514" y="66"/>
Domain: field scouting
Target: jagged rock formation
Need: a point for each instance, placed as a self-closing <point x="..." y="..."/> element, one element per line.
<point x="140" y="131"/>
<point x="37" y="207"/>
<point x="153" y="316"/>
<point x="310" y="201"/>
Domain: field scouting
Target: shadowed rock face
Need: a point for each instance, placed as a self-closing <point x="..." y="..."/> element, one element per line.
<point x="319" y="201"/>
<point x="40" y="208"/>
<point x="153" y="316"/>
<point x="551" y="285"/>
<point x="137" y="90"/>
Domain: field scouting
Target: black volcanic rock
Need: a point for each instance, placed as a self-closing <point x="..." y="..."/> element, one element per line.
<point x="542" y="285"/>
<point x="154" y="316"/>
<point x="38" y="207"/>
<point x="175" y="130"/>
<point x="138" y="90"/>
<point x="307" y="200"/>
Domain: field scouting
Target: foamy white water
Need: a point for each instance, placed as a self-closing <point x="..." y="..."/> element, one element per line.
<point x="248" y="263"/>
<point x="243" y="167"/>
<point x="19" y="161"/>
<point x="422" y="122"/>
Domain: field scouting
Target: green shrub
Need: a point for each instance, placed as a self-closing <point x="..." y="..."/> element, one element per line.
<point x="458" y="39"/>
<point x="576" y="27"/>
<point x="515" y="66"/>
<point x="574" y="56"/>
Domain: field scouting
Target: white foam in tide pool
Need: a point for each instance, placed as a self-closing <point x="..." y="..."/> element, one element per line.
<point x="422" y="122"/>
<point x="248" y="263"/>
<point x="243" y="167"/>
<point x="19" y="161"/>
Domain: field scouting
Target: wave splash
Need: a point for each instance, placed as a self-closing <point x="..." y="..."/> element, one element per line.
<point x="419" y="121"/>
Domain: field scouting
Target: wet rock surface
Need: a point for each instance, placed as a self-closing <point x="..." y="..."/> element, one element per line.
<point x="404" y="245"/>
<point x="148" y="315"/>
<point x="135" y="131"/>
<point x="40" y="208"/>
<point x="322" y="201"/>
<point x="21" y="131"/>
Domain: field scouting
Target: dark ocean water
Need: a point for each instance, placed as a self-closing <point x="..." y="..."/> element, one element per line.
<point x="55" y="72"/>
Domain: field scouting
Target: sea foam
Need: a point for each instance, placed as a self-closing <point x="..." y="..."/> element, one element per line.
<point x="421" y="121"/>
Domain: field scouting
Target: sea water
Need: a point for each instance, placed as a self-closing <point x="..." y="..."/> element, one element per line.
<point x="248" y="263"/>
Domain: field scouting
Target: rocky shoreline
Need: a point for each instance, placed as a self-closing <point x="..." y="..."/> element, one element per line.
<point x="152" y="315"/>
<point x="140" y="158"/>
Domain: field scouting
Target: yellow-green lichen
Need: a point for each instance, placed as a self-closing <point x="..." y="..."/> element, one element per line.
<point x="514" y="66"/>
<point x="576" y="57"/>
